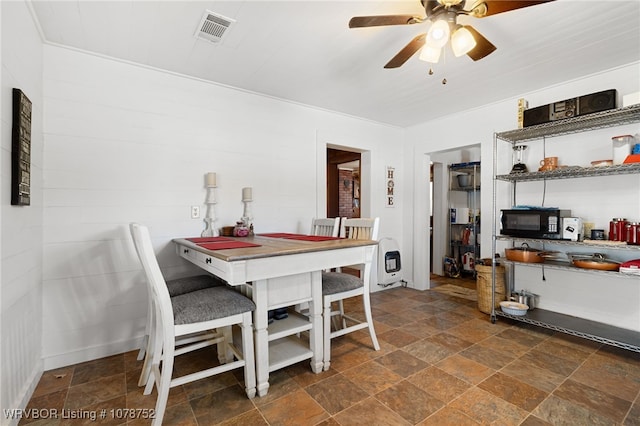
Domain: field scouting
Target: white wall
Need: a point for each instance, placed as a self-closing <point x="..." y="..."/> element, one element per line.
<point x="20" y="226"/>
<point x="125" y="143"/>
<point x="616" y="302"/>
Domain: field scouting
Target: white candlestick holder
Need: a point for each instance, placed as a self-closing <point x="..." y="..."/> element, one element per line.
<point x="247" y="215"/>
<point x="210" y="219"/>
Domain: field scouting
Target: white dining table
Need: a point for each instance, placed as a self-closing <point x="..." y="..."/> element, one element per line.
<point x="276" y="271"/>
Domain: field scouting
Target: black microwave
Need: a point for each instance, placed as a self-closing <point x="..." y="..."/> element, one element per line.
<point x="533" y="222"/>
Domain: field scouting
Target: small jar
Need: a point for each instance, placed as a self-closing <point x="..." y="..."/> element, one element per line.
<point x="613" y="229"/>
<point x="632" y="233"/>
<point x="622" y="229"/>
<point x="617" y="229"/>
<point x="240" y="230"/>
<point x="621" y="147"/>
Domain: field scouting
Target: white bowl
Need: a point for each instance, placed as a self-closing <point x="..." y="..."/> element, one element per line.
<point x="514" y="308"/>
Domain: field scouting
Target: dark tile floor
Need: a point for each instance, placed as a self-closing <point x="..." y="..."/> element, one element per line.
<point x="442" y="362"/>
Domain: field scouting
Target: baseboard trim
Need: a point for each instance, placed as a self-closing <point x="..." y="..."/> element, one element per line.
<point x="89" y="354"/>
<point x="25" y="397"/>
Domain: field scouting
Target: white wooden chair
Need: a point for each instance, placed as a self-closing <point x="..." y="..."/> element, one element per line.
<point x="329" y="227"/>
<point x="337" y="286"/>
<point x="326" y="227"/>
<point x="177" y="287"/>
<point x="194" y="312"/>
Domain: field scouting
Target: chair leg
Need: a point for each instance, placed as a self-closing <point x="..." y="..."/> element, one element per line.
<point x="224" y="353"/>
<point x="146" y="365"/>
<point x="151" y="338"/>
<point x="334" y="319"/>
<point x="147" y="331"/>
<point x="369" y="318"/>
<point x="336" y="314"/>
<point x="248" y="354"/>
<point x="341" y="307"/>
<point x="155" y="357"/>
<point x="164" y="383"/>
<point x="143" y="347"/>
<point x="326" y="322"/>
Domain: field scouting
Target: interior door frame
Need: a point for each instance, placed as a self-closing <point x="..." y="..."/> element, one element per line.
<point x="336" y="157"/>
<point x="321" y="176"/>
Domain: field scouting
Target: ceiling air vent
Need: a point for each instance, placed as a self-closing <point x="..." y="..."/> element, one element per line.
<point x="213" y="26"/>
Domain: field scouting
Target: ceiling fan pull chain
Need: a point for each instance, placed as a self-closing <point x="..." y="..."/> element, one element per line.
<point x="444" y="62"/>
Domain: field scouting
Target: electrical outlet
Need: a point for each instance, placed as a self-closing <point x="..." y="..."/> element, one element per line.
<point x="195" y="212"/>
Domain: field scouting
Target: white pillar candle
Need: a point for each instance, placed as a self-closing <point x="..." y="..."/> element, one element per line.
<point x="246" y="194"/>
<point x="211" y="179"/>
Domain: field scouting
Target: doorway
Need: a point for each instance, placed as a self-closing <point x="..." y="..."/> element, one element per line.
<point x="441" y="200"/>
<point x="343" y="183"/>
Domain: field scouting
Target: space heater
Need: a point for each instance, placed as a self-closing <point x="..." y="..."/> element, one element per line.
<point x="389" y="265"/>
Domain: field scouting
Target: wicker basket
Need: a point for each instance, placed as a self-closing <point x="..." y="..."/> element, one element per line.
<point x="483" y="287"/>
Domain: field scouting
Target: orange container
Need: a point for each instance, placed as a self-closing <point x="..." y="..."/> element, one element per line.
<point x="633" y="158"/>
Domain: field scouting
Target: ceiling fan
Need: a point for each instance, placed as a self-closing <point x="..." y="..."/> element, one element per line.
<point x="444" y="28"/>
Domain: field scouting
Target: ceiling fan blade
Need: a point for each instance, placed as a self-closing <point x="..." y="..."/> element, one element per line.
<point x="483" y="46"/>
<point x="492" y="7"/>
<point x="377" y="21"/>
<point x="407" y="52"/>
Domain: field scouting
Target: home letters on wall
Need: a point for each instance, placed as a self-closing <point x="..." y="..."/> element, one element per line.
<point x="390" y="187"/>
<point x="21" y="150"/>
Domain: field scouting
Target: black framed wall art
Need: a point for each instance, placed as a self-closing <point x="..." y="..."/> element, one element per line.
<point x="21" y="150"/>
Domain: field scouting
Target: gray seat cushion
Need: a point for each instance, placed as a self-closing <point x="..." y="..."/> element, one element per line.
<point x="209" y="304"/>
<point x="188" y="284"/>
<point x="337" y="282"/>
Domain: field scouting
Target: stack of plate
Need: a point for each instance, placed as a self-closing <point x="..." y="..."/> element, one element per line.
<point x="513" y="308"/>
<point x="630" y="270"/>
<point x="631" y="267"/>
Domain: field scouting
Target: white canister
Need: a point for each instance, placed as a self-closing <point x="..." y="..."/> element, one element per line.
<point x="468" y="261"/>
<point x="621" y="147"/>
<point x="460" y="215"/>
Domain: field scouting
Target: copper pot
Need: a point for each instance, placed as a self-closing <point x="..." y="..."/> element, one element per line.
<point x="524" y="254"/>
<point x="593" y="261"/>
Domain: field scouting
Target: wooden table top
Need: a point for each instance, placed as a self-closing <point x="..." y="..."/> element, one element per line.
<point x="271" y="247"/>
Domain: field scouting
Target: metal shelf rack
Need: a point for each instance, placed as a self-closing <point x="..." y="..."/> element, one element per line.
<point x="584" y="123"/>
<point x="594" y="244"/>
<point x="456" y="246"/>
<point x="550" y="264"/>
<point x="592" y="330"/>
<point x="572" y="172"/>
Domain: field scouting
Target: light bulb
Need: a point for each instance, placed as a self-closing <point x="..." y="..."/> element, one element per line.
<point x="449" y="3"/>
<point x="430" y="54"/>
<point x="438" y="34"/>
<point x="462" y="41"/>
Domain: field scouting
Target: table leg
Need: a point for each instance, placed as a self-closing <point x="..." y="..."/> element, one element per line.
<point x="315" y="316"/>
<point x="261" y="336"/>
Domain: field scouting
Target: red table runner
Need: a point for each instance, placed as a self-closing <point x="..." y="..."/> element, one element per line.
<point x="208" y="239"/>
<point x="301" y="237"/>
<point x="230" y="244"/>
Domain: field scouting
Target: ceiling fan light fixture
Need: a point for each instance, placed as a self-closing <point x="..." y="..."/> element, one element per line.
<point x="430" y="54"/>
<point x="438" y="34"/>
<point x="462" y="41"/>
<point x="443" y="16"/>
